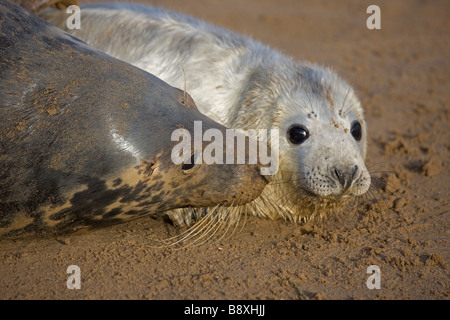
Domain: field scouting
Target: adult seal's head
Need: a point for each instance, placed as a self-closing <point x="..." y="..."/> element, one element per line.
<point x="86" y="140"/>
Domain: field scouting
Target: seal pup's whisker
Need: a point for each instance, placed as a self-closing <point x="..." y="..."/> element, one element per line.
<point x="185" y="86"/>
<point x="382" y="204"/>
<point x="350" y="107"/>
<point x="343" y="102"/>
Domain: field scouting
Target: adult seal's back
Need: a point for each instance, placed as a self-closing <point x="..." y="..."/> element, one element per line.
<point x="85" y="139"/>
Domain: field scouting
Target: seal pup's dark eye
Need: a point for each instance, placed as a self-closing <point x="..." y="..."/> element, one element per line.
<point x="297" y="134"/>
<point x="189" y="166"/>
<point x="356" y="130"/>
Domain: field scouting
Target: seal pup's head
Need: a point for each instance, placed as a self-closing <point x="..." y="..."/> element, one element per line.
<point x="322" y="138"/>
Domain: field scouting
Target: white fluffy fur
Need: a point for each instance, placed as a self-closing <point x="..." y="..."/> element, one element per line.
<point x="244" y="84"/>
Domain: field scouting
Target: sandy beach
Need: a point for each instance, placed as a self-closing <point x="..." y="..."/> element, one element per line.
<point x="402" y="75"/>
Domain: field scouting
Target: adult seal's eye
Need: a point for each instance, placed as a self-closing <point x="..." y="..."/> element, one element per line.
<point x="356" y="130"/>
<point x="189" y="166"/>
<point x="297" y="134"/>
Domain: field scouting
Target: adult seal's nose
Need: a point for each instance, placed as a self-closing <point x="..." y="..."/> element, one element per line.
<point x="346" y="176"/>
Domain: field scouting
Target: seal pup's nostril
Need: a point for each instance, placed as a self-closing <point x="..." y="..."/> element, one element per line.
<point x="345" y="178"/>
<point x="355" y="172"/>
<point x="339" y="176"/>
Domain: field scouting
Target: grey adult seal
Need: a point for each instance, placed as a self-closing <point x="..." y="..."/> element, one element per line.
<point x="244" y="84"/>
<point x="85" y="139"/>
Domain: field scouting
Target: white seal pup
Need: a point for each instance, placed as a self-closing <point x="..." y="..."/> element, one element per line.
<point x="244" y="84"/>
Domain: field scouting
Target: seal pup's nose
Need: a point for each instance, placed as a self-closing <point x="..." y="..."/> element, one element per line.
<point x="345" y="176"/>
